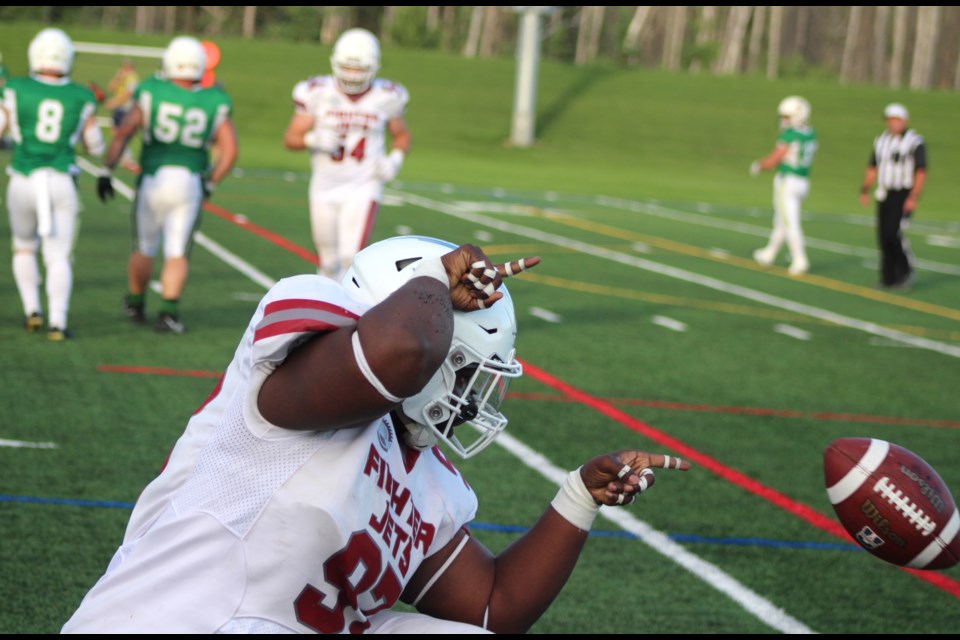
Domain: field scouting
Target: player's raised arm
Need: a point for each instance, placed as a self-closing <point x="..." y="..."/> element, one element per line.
<point x="399" y="345"/>
<point x="508" y="593"/>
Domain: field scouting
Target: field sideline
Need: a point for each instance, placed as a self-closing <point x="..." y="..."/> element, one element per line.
<point x="647" y="325"/>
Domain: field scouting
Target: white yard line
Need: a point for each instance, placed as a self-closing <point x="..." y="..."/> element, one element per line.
<point x="687" y="276"/>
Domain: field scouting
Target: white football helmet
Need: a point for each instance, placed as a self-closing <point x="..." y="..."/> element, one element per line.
<point x="355" y="60"/>
<point x="184" y="59"/>
<point x="796" y="110"/>
<point x="472" y="381"/>
<point x="51" y="51"/>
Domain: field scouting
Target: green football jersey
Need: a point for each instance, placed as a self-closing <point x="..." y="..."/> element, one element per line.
<point x="179" y="123"/>
<point x="802" y="145"/>
<point x="46" y="120"/>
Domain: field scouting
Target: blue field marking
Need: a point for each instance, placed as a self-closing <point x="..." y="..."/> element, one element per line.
<point x="68" y="502"/>
<point x="693" y="539"/>
<point x="505" y="528"/>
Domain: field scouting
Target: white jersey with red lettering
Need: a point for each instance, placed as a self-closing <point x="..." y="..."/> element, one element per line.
<point x="362" y="123"/>
<point x="252" y="527"/>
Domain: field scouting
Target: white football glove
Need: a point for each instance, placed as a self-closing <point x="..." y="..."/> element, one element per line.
<point x="323" y="139"/>
<point x="388" y="167"/>
<point x="755" y="168"/>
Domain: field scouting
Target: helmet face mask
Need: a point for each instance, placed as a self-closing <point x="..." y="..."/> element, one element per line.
<point x="472" y="381"/>
<point x="184" y="59"/>
<point x="795" y="111"/>
<point x="355" y="60"/>
<point x="51" y="51"/>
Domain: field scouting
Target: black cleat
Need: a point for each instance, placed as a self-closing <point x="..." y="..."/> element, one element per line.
<point x="56" y="334"/>
<point x="33" y="322"/>
<point x="133" y="311"/>
<point x="167" y="323"/>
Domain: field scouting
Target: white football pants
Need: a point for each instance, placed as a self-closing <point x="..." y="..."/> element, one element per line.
<point x="789" y="192"/>
<point x="167" y="209"/>
<point x="341" y="228"/>
<point x="44" y="214"/>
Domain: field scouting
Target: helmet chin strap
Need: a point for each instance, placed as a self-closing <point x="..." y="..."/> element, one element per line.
<point x="414" y="435"/>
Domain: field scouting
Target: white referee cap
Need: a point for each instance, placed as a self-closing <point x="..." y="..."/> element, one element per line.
<point x="896" y="110"/>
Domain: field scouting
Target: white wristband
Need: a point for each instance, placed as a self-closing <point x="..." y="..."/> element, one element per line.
<point x="575" y="503"/>
<point x="396" y="157"/>
<point x="433" y="268"/>
<point x="310" y="140"/>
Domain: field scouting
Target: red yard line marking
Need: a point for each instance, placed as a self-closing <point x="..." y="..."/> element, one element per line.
<point x="769" y="494"/>
<point x="280" y="241"/>
<point x="755" y="411"/>
<point x="158" y="371"/>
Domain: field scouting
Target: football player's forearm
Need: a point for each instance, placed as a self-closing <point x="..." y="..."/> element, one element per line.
<point x="532" y="571"/>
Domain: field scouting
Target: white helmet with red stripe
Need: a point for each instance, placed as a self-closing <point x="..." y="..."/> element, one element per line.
<point x="472" y="381"/>
<point x="355" y="60"/>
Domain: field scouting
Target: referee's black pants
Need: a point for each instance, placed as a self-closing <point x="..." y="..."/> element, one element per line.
<point x="896" y="259"/>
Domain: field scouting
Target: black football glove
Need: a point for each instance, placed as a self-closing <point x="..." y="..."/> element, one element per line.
<point x="208" y="188"/>
<point x="105" y="188"/>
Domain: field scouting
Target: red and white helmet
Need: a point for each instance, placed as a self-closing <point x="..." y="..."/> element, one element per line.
<point x="355" y="60"/>
<point x="796" y="110"/>
<point x="184" y="59"/>
<point x="472" y="381"/>
<point x="51" y="51"/>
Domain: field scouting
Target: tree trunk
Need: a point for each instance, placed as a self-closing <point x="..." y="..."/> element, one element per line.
<point x="473" y="33"/>
<point x="144" y="19"/>
<point x="490" y="36"/>
<point x="803" y="29"/>
<point x="878" y="66"/>
<point x="899" y="45"/>
<point x="774" y="44"/>
<point x="850" y="48"/>
<point x="731" y="48"/>
<point x="631" y="41"/>
<point x="110" y="17"/>
<point x="588" y="34"/>
<point x="706" y="33"/>
<point x="756" y="38"/>
<point x="673" y="43"/>
<point x="249" y="22"/>
<point x="448" y="33"/>
<point x="218" y="15"/>
<point x="925" y="45"/>
<point x="386" y="23"/>
<point x="433" y="18"/>
<point x="332" y="26"/>
<point x="169" y="19"/>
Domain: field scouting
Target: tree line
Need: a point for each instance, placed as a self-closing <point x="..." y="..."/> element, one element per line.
<point x="913" y="47"/>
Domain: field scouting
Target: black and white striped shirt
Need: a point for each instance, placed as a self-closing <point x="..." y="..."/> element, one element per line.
<point x="897" y="158"/>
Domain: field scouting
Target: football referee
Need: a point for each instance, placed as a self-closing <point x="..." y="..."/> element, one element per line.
<point x="898" y="168"/>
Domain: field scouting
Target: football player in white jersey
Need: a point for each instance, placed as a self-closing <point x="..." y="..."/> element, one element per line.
<point x="309" y="492"/>
<point x="343" y="120"/>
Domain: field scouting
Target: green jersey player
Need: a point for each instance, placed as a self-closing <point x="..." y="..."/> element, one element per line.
<point x="46" y="114"/>
<point x="792" y="157"/>
<point x="182" y="123"/>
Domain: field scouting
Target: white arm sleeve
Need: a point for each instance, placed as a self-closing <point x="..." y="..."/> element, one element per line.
<point x="3" y="119"/>
<point x="93" y="140"/>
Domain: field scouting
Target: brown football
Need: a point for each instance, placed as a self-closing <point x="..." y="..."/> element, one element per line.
<point x="892" y="502"/>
